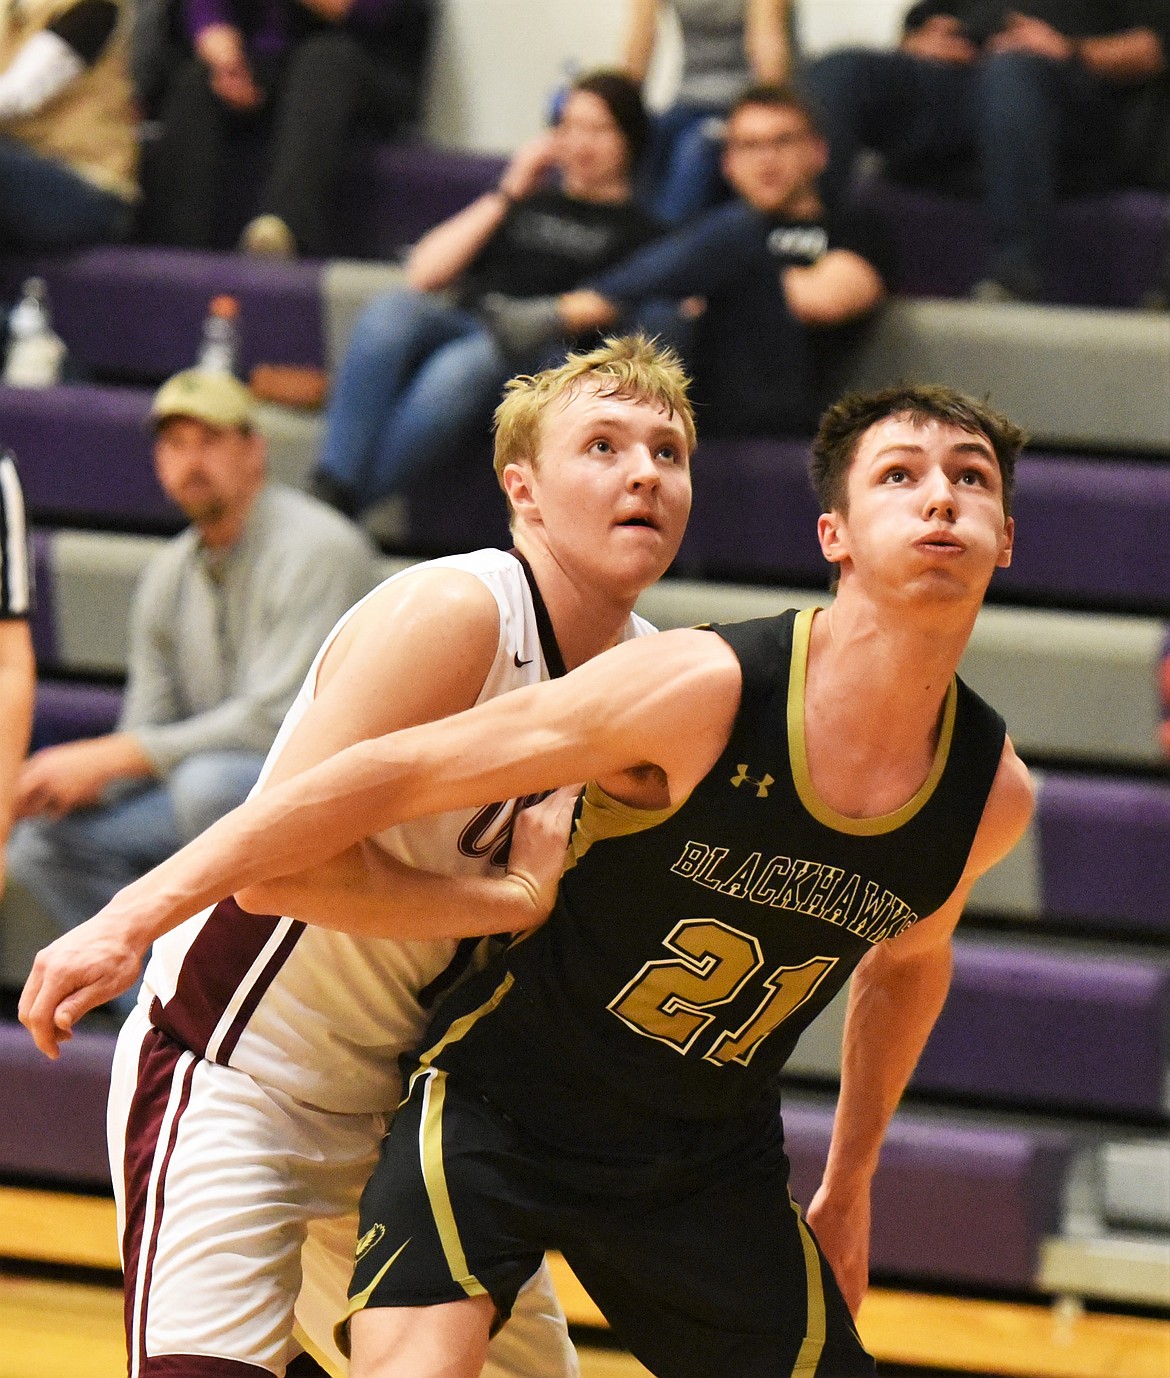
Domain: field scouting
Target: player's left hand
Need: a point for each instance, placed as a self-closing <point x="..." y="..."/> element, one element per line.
<point x="842" y="1231"/>
<point x="540" y="837"/>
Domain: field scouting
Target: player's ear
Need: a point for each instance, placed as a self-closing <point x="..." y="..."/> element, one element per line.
<point x="1005" y="548"/>
<point x="831" y="534"/>
<point x="518" y="483"/>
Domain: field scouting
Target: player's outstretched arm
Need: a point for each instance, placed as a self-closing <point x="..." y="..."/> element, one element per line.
<point x="417" y="649"/>
<point x="671" y="706"/>
<point x="896" y="995"/>
<point x="366" y="891"/>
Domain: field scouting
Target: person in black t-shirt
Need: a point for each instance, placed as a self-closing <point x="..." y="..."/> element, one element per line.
<point x="423" y="371"/>
<point x="778" y="274"/>
<point x="1022" y="103"/>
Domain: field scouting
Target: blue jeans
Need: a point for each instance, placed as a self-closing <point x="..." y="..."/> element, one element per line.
<point x="1016" y="126"/>
<point x="418" y="380"/>
<point x="683" y="163"/>
<point x="45" y="205"/>
<point x="73" y="866"/>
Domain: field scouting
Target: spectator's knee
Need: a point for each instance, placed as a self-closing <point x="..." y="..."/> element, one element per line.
<point x="206" y="786"/>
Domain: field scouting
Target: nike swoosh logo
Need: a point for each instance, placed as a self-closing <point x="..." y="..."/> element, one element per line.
<point x="519" y="664"/>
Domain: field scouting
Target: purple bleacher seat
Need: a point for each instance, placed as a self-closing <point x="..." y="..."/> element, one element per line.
<point x="67" y="710"/>
<point x="137" y="312"/>
<point x="85" y="453"/>
<point x="1105" y="850"/>
<point x="53" y="1114"/>
<point x="1040" y="1028"/>
<point x="951" y="1203"/>
<point x="1080" y="522"/>
<point x="457" y="508"/>
<point x="395" y="192"/>
<point x="1105" y="250"/>
<point x="1091" y="529"/>
<point x="44" y="624"/>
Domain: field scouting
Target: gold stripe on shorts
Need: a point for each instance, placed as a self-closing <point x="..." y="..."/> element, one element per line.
<point x="430" y="1143"/>
<point x="814" y="1330"/>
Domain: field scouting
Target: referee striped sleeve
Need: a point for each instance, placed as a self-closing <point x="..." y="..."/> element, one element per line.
<point x="16" y="576"/>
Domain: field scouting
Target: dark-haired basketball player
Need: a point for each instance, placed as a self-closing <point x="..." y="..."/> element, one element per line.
<point x="774" y="805"/>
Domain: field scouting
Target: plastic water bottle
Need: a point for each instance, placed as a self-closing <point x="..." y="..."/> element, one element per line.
<point x="35" y="354"/>
<point x="219" y="351"/>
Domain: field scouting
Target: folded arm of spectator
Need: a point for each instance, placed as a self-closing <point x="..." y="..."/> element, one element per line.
<point x="940" y="38"/>
<point x="447" y="251"/>
<point x="839" y="287"/>
<point x="1130" y="56"/>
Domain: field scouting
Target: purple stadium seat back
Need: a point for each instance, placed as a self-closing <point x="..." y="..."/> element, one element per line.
<point x="43" y="624"/>
<point x="66" y="710"/>
<point x="1042" y="1029"/>
<point x="941" y="243"/>
<point x="53" y="1114"/>
<point x="1105" y="850"/>
<point x="970" y="1205"/>
<point x="85" y="452"/>
<point x="394" y="193"/>
<point x="137" y="312"/>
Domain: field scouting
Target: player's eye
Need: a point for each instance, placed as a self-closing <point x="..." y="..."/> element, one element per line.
<point x="669" y="453"/>
<point x="895" y="475"/>
<point x="602" y="446"/>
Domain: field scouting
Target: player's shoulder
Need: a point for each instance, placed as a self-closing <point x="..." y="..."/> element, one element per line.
<point x="1008" y="810"/>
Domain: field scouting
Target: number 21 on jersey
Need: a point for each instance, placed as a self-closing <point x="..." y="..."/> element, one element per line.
<point x="675" y="999"/>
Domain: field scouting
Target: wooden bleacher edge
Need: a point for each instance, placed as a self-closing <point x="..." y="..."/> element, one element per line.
<point x="1013" y="1339"/>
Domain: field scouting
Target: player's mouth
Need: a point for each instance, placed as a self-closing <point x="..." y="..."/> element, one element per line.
<point x="940" y="542"/>
<point x="639" y="520"/>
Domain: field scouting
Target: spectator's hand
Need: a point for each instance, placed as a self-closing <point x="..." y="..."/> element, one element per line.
<point x="941" y="38"/>
<point x="1023" y="34"/>
<point x="842" y="1230"/>
<point x="522" y="326"/>
<point x="221" y="49"/>
<point x="84" y="968"/>
<point x="59" y="779"/>
<point x="540" y="837"/>
<point x="586" y="310"/>
<point x="529" y="166"/>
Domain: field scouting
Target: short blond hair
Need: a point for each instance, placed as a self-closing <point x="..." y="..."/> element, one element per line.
<point x="627" y="366"/>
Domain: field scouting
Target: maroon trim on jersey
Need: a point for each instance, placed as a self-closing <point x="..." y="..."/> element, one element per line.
<point x="228" y="1046"/>
<point x="199" y="1366"/>
<point x="158" y="1063"/>
<point x="212" y="972"/>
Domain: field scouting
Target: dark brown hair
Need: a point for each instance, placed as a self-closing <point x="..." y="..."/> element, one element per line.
<point x="846" y="421"/>
<point x="624" y="99"/>
<point x="782" y="97"/>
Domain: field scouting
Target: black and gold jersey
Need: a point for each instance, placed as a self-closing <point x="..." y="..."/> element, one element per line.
<point x="690" y="947"/>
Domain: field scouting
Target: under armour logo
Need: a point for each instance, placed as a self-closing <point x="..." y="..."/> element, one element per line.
<point x="761" y="785"/>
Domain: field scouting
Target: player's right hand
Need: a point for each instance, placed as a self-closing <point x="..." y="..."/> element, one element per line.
<point x="540" y="838"/>
<point x="84" y="968"/>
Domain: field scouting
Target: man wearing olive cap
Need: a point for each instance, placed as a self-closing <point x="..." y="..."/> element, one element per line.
<point x="226" y="620"/>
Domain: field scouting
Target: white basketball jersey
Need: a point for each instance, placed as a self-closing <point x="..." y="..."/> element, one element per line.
<point x="318" y="1014"/>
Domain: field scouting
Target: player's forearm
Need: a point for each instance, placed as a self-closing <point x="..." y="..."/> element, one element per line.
<point x="892" y="1009"/>
<point x="364" y="892"/>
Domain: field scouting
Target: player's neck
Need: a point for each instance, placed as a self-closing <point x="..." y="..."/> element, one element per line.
<point x="586" y="617"/>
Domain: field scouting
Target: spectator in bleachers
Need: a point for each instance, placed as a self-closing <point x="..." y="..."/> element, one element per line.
<point x="17" y="666"/>
<point x="226" y="621"/>
<point x="68" y="127"/>
<point x="1164" y="690"/>
<point x="726" y="46"/>
<point x="777" y="277"/>
<point x="424" y="367"/>
<point x="1017" y="105"/>
<point x="305" y="74"/>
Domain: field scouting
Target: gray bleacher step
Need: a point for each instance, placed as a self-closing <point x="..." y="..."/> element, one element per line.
<point x="1071" y="376"/>
<point x="1136" y="1184"/>
<point x="1129" y="1268"/>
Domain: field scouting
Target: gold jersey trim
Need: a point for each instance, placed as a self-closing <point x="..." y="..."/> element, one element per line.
<point x="813" y="1343"/>
<point x="603" y="817"/>
<point x="435" y="1179"/>
<point x="842" y="823"/>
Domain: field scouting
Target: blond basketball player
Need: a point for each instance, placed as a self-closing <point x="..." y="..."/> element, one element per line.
<point x="252" y="1084"/>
